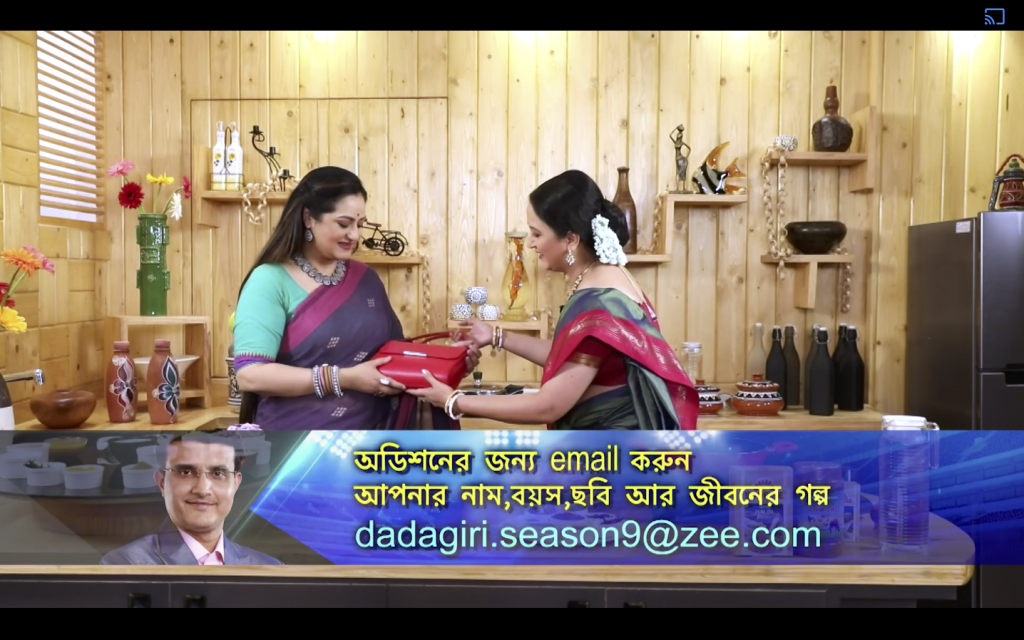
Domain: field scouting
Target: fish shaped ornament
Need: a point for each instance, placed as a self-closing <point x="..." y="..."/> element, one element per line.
<point x="711" y="180"/>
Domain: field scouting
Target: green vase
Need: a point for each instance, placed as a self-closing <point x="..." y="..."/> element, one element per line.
<point x="153" y="280"/>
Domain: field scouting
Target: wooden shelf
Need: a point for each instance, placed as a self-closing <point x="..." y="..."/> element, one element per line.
<point x="276" y="197"/>
<point x="821" y="159"/>
<point x="701" y="200"/>
<point x="540" y="326"/>
<point x="380" y="259"/>
<point x="806" y="282"/>
<point x="196" y="383"/>
<point x="647" y="258"/>
<point x="861" y="158"/>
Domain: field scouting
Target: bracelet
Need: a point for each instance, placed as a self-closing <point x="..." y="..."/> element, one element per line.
<point x="335" y="381"/>
<point x="501" y="338"/>
<point x="316" y="382"/>
<point x="449" y="405"/>
<point x="325" y="381"/>
<point x="494" y="338"/>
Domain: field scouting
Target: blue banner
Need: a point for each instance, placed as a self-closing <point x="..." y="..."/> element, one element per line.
<point x="703" y="497"/>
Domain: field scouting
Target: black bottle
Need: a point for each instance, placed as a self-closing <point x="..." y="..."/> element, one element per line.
<point x="821" y="380"/>
<point x="850" y="384"/>
<point x="811" y="350"/>
<point x="838" y="355"/>
<point x="792" y="395"/>
<point x="775" y="365"/>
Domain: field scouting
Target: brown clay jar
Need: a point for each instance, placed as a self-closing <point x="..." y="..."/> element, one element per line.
<point x="121" y="386"/>
<point x="163" y="385"/>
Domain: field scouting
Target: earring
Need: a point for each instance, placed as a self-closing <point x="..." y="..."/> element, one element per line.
<point x="309" y="236"/>
<point x="569" y="258"/>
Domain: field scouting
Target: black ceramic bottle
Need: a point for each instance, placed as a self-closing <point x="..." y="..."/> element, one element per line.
<point x="792" y="396"/>
<point x="837" y="355"/>
<point x="775" y="365"/>
<point x="821" y="379"/>
<point x="811" y="350"/>
<point x="850" y="383"/>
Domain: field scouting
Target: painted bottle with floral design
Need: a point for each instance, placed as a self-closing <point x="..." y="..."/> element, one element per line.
<point x="163" y="385"/>
<point x="121" y="385"/>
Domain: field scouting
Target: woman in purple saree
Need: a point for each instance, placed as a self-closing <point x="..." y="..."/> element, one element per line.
<point x="303" y="339"/>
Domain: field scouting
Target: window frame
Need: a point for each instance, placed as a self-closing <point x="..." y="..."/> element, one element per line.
<point x="44" y="124"/>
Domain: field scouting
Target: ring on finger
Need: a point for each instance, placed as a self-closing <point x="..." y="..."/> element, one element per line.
<point x="385" y="382"/>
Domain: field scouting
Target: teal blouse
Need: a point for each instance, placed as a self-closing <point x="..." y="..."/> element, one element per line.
<point x="265" y="307"/>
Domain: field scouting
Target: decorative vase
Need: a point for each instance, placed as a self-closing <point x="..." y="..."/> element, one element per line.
<point x="122" y="393"/>
<point x="624" y="200"/>
<point x="515" y="286"/>
<point x="832" y="132"/>
<point x="163" y="385"/>
<point x="234" y="394"/>
<point x="152" y="279"/>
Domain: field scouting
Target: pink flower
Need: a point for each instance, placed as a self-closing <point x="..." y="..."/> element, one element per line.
<point x="47" y="265"/>
<point x="121" y="168"/>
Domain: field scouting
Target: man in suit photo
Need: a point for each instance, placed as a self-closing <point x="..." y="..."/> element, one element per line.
<point x="198" y="485"/>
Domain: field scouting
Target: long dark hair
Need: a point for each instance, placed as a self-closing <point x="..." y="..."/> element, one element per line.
<point x="318" y="193"/>
<point x="569" y="202"/>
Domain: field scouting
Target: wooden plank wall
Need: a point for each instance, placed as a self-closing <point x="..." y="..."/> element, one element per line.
<point x="64" y="311"/>
<point x="523" y="106"/>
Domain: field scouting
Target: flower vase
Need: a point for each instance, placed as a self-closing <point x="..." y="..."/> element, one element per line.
<point x="153" y="280"/>
<point x="515" y="286"/>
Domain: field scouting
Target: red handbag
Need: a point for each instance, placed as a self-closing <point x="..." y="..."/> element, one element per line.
<point x="409" y="358"/>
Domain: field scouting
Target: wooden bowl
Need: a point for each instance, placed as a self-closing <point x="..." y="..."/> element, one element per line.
<point x="64" y="408"/>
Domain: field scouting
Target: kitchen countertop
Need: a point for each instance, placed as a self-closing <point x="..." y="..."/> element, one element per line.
<point x="797" y="419"/>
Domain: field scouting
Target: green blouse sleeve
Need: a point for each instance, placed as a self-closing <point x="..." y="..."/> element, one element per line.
<point x="261" y="316"/>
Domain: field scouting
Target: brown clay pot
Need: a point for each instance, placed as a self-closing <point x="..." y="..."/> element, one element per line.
<point x="710" y="399"/>
<point x="757" y="398"/>
<point x="64" y="408"/>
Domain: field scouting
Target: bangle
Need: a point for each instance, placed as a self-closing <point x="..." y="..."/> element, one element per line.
<point x="325" y="378"/>
<point x="316" y="382"/>
<point x="335" y="381"/>
<point x="494" y="337"/>
<point x="449" y="405"/>
<point x="501" y="338"/>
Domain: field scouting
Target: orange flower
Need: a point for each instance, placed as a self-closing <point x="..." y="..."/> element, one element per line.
<point x="23" y="260"/>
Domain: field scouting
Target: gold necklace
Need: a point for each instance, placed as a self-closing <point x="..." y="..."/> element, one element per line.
<point x="578" y="280"/>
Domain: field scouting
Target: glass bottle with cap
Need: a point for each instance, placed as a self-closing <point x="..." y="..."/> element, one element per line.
<point x="693" y="359"/>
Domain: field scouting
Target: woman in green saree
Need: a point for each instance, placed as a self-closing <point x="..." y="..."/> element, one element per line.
<point x="608" y="366"/>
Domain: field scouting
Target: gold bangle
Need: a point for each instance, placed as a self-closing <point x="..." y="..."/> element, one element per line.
<point x="449" y="405"/>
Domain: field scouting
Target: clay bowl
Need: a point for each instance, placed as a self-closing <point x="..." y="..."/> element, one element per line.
<point x="815" y="237"/>
<point x="64" y="408"/>
<point x="757" y="398"/>
<point x="710" y="399"/>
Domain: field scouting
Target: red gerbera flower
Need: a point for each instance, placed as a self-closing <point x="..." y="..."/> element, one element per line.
<point x="187" y="189"/>
<point x="131" y="196"/>
<point x="3" y="291"/>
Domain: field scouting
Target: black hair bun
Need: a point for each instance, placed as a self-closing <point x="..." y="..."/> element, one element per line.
<point x="616" y="221"/>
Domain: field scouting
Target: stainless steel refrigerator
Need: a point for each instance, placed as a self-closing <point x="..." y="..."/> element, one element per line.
<point x="965" y="342"/>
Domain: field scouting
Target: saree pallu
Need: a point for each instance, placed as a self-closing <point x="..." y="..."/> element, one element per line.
<point x="343" y="325"/>
<point x="658" y="396"/>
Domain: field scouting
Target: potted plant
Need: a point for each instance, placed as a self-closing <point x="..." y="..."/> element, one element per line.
<point x="26" y="261"/>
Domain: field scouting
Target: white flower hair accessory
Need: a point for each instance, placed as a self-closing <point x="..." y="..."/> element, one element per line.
<point x="606" y="243"/>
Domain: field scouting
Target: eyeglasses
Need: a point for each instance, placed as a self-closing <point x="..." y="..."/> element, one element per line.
<point x="215" y="475"/>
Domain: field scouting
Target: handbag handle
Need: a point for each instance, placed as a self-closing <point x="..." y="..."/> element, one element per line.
<point x="428" y="337"/>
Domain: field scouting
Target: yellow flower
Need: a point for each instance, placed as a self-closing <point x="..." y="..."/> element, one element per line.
<point x="22" y="259"/>
<point x="11" y="320"/>
<point x="162" y="179"/>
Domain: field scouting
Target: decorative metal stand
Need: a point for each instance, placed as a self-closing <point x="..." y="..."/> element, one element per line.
<point x="278" y="175"/>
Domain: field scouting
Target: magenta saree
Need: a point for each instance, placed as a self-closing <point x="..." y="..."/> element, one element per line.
<point x="343" y="325"/>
